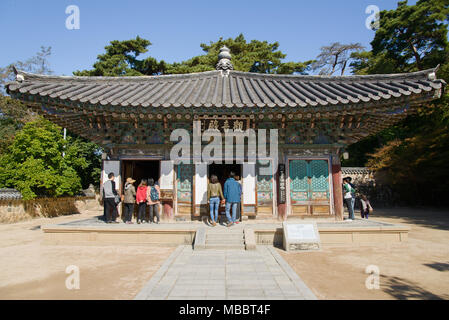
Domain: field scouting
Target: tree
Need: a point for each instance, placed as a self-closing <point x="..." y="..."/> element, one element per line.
<point x="254" y="56"/>
<point x="415" y="37"/>
<point x="13" y="113"/>
<point x="121" y="59"/>
<point x="414" y="152"/>
<point x="34" y="163"/>
<point x="335" y="57"/>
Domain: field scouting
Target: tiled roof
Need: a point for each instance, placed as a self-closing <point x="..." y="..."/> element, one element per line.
<point x="229" y="88"/>
<point x="355" y="170"/>
<point x="10" y="194"/>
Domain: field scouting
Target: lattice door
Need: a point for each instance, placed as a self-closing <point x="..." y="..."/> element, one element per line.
<point x="185" y="182"/>
<point x="299" y="184"/>
<point x="264" y="183"/>
<point x="319" y="180"/>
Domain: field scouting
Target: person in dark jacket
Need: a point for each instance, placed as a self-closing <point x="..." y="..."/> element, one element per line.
<point x="109" y="194"/>
<point x="129" y="199"/>
<point x="232" y="193"/>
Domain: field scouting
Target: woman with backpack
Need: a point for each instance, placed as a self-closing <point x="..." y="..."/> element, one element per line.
<point x="153" y="196"/>
<point x="141" y="199"/>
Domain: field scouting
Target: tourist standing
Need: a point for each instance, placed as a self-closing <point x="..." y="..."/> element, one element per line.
<point x="153" y="196"/>
<point x="214" y="194"/>
<point x="365" y="207"/>
<point x="232" y="193"/>
<point x="239" y="205"/>
<point x="141" y="199"/>
<point x="353" y="193"/>
<point x="347" y="196"/>
<point x="129" y="199"/>
<point x="110" y="199"/>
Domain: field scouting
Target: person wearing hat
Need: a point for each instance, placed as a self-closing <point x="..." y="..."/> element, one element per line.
<point x="349" y="197"/>
<point x="129" y="199"/>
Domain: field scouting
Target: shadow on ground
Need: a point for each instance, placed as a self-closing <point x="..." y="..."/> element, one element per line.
<point x="402" y="289"/>
<point x="426" y="217"/>
<point x="439" y="266"/>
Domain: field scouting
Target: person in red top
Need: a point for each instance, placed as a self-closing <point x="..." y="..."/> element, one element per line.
<point x="141" y="199"/>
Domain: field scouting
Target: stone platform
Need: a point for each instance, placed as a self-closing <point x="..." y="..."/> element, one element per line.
<point x="94" y="231"/>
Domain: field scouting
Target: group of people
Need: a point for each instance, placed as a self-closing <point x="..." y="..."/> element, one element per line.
<point x="230" y="197"/>
<point x="147" y="196"/>
<point x="349" y="196"/>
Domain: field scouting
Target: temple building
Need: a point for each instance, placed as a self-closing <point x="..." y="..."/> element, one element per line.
<point x="317" y="117"/>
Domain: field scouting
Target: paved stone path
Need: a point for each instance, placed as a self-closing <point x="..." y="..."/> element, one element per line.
<point x="225" y="275"/>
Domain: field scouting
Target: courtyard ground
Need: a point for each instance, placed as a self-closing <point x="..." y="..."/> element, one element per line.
<point x="416" y="269"/>
<point x="32" y="270"/>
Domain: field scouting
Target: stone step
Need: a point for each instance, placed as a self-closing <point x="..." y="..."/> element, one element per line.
<point x="224" y="236"/>
<point x="225" y="246"/>
<point x="232" y="242"/>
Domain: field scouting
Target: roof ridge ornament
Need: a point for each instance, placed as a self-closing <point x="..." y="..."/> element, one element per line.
<point x="19" y="77"/>
<point x="224" y="60"/>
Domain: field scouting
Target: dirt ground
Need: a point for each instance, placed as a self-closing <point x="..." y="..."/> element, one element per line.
<point x="416" y="269"/>
<point x="32" y="270"/>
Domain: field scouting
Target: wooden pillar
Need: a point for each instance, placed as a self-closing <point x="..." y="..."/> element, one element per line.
<point x="281" y="192"/>
<point x="337" y="187"/>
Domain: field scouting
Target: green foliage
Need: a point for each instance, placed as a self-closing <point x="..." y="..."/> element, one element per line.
<point x="120" y="59"/>
<point x="34" y="163"/>
<point x="254" y="56"/>
<point x="413" y="153"/>
<point x="14" y="114"/>
<point x="415" y="37"/>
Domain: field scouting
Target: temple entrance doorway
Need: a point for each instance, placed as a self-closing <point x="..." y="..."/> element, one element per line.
<point x="138" y="170"/>
<point x="222" y="172"/>
<point x="141" y="169"/>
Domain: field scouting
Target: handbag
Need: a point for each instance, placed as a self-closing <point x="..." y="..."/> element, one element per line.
<point x="117" y="199"/>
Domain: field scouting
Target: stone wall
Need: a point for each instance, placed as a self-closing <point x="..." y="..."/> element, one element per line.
<point x="372" y="184"/>
<point x="19" y="210"/>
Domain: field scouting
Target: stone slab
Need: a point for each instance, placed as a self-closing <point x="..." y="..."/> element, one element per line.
<point x="301" y="236"/>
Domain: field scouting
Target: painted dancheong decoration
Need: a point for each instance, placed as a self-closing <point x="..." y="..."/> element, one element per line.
<point x="317" y="117"/>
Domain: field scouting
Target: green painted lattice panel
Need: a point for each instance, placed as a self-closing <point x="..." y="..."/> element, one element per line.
<point x="264" y="184"/>
<point x="299" y="186"/>
<point x="185" y="182"/>
<point x="319" y="179"/>
<point x="309" y="180"/>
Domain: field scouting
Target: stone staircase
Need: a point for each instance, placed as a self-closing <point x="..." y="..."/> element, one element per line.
<point x="221" y="239"/>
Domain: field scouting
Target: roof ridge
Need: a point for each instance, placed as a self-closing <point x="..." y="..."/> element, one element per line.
<point x="423" y="73"/>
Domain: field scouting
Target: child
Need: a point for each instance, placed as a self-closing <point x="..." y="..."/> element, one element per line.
<point x="365" y="207"/>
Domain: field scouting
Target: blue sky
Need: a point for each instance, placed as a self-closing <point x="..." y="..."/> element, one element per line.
<point x="176" y="28"/>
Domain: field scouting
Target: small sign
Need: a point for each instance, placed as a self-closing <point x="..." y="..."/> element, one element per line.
<point x="301" y="232"/>
<point x="225" y="124"/>
<point x="282" y="192"/>
<point x="301" y="236"/>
